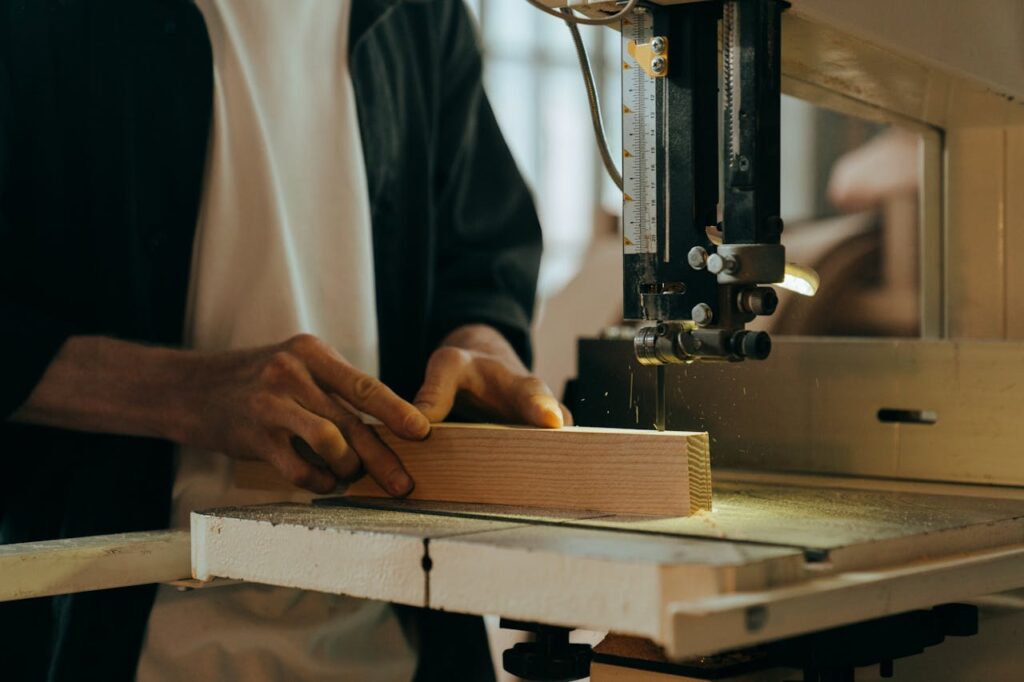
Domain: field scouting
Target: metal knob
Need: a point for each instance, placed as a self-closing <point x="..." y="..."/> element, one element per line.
<point x="702" y="314"/>
<point x="697" y="258"/>
<point x="753" y="345"/>
<point x="717" y="263"/>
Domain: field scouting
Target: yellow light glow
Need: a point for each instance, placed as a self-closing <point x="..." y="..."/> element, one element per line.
<point x="800" y="280"/>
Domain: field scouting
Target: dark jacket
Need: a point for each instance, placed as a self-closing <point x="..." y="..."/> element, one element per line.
<point x="104" y="116"/>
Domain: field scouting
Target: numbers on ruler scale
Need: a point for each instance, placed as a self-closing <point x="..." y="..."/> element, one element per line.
<point x="639" y="127"/>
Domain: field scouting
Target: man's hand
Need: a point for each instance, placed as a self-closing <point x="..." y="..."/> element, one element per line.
<point x="477" y="372"/>
<point x="267" y="403"/>
<point x="272" y="403"/>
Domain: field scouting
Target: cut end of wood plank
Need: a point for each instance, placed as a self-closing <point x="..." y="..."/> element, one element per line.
<point x="698" y="457"/>
<point x="616" y="471"/>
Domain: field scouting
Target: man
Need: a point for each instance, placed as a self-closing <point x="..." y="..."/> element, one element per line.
<point x="319" y="190"/>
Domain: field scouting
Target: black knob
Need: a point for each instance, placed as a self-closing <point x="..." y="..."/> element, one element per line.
<point x="549" y="658"/>
<point x="753" y="345"/>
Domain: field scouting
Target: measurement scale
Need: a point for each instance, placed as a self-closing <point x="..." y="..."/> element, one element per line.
<point x="639" y="141"/>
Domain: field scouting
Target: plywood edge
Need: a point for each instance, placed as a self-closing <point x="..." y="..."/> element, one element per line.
<point x="41" y="569"/>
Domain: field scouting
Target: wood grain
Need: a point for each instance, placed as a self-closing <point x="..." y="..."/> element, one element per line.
<point x="41" y="569"/>
<point x="617" y="471"/>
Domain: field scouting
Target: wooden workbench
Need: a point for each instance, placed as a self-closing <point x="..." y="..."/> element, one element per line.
<point x="771" y="560"/>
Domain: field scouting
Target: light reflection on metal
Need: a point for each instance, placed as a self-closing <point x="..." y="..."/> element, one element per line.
<point x="801" y="280"/>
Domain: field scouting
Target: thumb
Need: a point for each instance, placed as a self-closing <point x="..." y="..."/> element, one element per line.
<point x="436" y="396"/>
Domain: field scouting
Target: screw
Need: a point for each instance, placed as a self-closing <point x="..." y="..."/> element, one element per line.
<point x="702" y="314"/>
<point x="718" y="263"/>
<point x="744" y="163"/>
<point x="658" y="65"/>
<point x="697" y="258"/>
<point x="658" y="45"/>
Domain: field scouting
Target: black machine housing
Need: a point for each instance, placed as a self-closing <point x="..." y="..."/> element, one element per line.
<point x="705" y="280"/>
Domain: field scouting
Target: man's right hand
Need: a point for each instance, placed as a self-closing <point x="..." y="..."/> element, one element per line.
<point x="269" y="402"/>
<point x="265" y="403"/>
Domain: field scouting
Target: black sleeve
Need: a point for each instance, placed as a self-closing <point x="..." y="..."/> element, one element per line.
<point x="489" y="240"/>
<point x="29" y="339"/>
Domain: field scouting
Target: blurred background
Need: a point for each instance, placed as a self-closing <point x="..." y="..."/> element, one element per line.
<point x="849" y="194"/>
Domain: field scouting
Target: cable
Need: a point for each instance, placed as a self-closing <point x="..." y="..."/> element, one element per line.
<point x="592" y="100"/>
<point x="585" y="21"/>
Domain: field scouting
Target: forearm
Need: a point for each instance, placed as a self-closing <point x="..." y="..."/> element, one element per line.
<point x="248" y="404"/>
<point x="107" y="385"/>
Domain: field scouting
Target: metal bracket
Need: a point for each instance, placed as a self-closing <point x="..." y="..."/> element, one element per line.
<point x="652" y="57"/>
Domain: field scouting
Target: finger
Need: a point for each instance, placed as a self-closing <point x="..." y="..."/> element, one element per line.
<point x="536" y="405"/>
<point x="441" y="381"/>
<point x="567" y="419"/>
<point x="379" y="461"/>
<point x="299" y="472"/>
<point x="326" y="441"/>
<point x="361" y="390"/>
<point x="318" y="428"/>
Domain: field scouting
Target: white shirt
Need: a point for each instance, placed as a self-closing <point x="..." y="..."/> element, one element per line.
<point x="283" y="246"/>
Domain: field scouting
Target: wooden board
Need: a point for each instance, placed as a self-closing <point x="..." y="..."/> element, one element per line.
<point x="620" y="471"/>
<point x="41" y="569"/>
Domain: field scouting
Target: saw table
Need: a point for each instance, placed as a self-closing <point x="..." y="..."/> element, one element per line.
<point x="771" y="560"/>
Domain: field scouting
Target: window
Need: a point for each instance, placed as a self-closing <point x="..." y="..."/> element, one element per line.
<point x="534" y="84"/>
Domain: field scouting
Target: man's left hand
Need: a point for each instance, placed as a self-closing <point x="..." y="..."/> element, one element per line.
<point x="476" y="371"/>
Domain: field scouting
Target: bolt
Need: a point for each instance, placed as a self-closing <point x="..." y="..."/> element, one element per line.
<point x="718" y="263"/>
<point x="658" y="65"/>
<point x="702" y="314"/>
<point x="697" y="258"/>
<point x="658" y="45"/>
